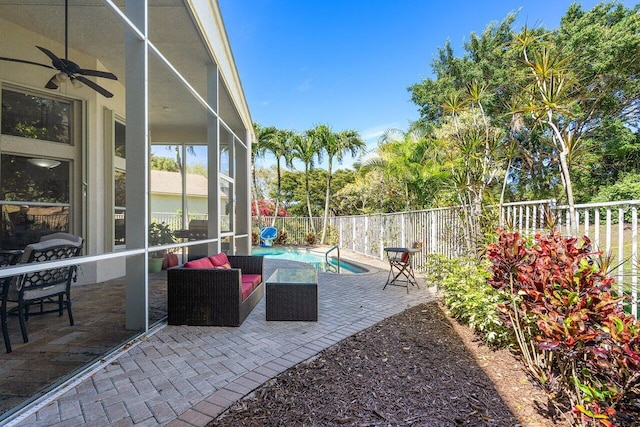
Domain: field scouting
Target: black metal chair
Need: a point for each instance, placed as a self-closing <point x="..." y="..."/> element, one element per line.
<point x="7" y="257"/>
<point x="42" y="286"/>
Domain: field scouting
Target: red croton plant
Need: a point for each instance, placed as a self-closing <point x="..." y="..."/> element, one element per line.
<point x="572" y="329"/>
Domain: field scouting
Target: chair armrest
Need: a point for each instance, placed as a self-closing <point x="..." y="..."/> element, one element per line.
<point x="248" y="264"/>
<point x="223" y="282"/>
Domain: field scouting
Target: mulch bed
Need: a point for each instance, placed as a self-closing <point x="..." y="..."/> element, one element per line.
<point x="417" y="368"/>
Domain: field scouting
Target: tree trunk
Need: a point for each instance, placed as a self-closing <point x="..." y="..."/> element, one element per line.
<point x="326" y="206"/>
<point x="255" y="191"/>
<point x="275" y="213"/>
<point x="504" y="189"/>
<point x="306" y="185"/>
<point x="564" y="173"/>
<point x="568" y="189"/>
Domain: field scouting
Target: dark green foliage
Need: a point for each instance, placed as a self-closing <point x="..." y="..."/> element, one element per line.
<point x="601" y="48"/>
<point x="163" y="164"/>
<point x="293" y="192"/>
<point x="160" y="234"/>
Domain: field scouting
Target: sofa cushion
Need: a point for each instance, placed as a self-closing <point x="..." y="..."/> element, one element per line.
<point x="224" y="266"/>
<point x="254" y="279"/>
<point x="219" y="260"/>
<point x="199" y="263"/>
<point x="247" y="288"/>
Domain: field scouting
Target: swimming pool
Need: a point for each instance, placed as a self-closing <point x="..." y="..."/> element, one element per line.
<point x="314" y="258"/>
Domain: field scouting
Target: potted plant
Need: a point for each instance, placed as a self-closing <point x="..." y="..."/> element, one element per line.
<point x="159" y="234"/>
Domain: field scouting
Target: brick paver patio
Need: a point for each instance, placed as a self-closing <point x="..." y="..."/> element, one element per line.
<point x="186" y="375"/>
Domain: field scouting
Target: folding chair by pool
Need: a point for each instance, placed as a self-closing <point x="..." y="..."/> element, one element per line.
<point x="401" y="268"/>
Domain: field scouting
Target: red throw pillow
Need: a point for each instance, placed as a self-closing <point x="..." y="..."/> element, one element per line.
<point x="170" y="260"/>
<point x="224" y="266"/>
<point x="199" y="263"/>
<point x="219" y="260"/>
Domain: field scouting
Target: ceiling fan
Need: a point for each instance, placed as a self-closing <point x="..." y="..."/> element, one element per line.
<point x="68" y="70"/>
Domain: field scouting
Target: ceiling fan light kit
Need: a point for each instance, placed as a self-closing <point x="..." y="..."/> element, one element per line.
<point x="68" y="70"/>
<point x="44" y="163"/>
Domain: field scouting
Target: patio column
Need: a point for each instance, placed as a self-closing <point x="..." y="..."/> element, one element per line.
<point x="213" y="138"/>
<point x="137" y="180"/>
<point x="243" y="195"/>
<point x="231" y="203"/>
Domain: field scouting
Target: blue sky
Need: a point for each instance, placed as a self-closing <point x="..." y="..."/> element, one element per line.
<point x="348" y="63"/>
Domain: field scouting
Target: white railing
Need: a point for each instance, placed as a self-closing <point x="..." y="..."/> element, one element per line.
<point x="292" y="230"/>
<point x="174" y="220"/>
<point x="612" y="228"/>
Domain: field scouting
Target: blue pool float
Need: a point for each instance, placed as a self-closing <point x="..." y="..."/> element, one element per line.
<point x="267" y="236"/>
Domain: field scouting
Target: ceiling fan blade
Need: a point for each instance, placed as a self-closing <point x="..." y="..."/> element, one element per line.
<point x="94" y="86"/>
<point x="96" y="73"/>
<point x="51" y="84"/>
<point x="2" y="58"/>
<point x="57" y="62"/>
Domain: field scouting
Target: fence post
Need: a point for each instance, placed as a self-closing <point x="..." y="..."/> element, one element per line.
<point x="381" y="236"/>
<point x="620" y="247"/>
<point x="634" y="261"/>
<point x="353" y="233"/>
<point x="366" y="234"/>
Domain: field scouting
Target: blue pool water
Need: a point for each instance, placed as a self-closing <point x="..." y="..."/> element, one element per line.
<point x="314" y="258"/>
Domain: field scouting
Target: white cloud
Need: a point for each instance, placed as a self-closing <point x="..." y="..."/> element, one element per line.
<point x="371" y="135"/>
<point x="305" y="85"/>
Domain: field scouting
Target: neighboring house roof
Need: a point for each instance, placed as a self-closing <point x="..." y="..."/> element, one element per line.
<point x="164" y="182"/>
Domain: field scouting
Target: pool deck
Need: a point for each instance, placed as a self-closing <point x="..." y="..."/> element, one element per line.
<point x="188" y="375"/>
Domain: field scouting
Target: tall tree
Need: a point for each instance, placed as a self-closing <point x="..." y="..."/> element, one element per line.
<point x="551" y="97"/>
<point x="258" y="149"/>
<point x="306" y="151"/>
<point x="577" y="87"/>
<point x="473" y="148"/>
<point x="280" y="146"/>
<point x="335" y="146"/>
<point x="410" y="160"/>
<point x="580" y="78"/>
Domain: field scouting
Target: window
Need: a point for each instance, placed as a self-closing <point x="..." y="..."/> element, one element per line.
<point x="120" y="148"/>
<point x="119" y="184"/>
<point x="35" y="199"/>
<point x="119" y="215"/>
<point x="35" y="117"/>
<point x="40" y="166"/>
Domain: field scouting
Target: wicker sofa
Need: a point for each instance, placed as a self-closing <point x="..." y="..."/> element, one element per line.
<point x="214" y="296"/>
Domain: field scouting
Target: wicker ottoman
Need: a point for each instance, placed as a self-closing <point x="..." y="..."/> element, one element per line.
<point x="292" y="294"/>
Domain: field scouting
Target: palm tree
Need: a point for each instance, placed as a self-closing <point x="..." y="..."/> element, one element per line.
<point x="335" y="145"/>
<point x="280" y="146"/>
<point x="400" y="157"/>
<point x="304" y="149"/>
<point x="258" y="149"/>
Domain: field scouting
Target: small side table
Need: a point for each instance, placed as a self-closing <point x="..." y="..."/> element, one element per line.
<point x="292" y="294"/>
<point x="401" y="268"/>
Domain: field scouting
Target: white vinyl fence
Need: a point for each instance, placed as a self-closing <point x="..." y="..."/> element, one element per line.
<point x="292" y="230"/>
<point x="612" y="228"/>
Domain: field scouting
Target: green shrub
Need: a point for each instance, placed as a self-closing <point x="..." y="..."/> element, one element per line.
<point x="468" y="297"/>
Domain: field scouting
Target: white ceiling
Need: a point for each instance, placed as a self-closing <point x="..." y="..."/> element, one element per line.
<point x="96" y="30"/>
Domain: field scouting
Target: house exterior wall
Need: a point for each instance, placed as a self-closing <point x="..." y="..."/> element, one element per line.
<point x="172" y="203"/>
